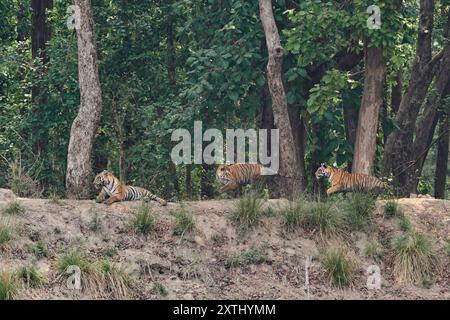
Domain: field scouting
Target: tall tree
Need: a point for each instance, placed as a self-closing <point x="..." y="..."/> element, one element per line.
<point x="291" y="168"/>
<point x="399" y="144"/>
<point x="372" y="99"/>
<point x="78" y="174"/>
<point x="41" y="33"/>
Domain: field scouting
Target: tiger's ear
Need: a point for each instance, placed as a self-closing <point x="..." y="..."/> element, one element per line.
<point x="323" y="165"/>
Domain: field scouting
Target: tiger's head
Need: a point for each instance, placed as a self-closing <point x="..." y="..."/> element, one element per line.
<point x="323" y="171"/>
<point x="223" y="174"/>
<point x="102" y="179"/>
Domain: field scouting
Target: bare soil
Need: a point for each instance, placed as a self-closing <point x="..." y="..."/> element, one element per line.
<point x="193" y="266"/>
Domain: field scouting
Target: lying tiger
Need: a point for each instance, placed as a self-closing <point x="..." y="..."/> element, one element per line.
<point x="233" y="176"/>
<point x="344" y="182"/>
<point x="113" y="190"/>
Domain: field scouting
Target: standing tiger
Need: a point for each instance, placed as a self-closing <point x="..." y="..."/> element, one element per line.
<point x="233" y="176"/>
<point x="344" y="182"/>
<point x="113" y="190"/>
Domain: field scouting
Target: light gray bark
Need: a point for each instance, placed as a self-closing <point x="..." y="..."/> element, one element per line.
<point x="79" y="165"/>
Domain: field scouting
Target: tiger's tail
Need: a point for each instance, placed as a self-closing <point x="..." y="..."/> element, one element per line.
<point x="148" y="196"/>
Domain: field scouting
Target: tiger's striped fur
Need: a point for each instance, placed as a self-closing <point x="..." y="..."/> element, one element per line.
<point x="233" y="176"/>
<point x="342" y="181"/>
<point x="113" y="190"/>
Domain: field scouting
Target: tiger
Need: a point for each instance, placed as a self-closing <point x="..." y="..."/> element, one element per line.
<point x="233" y="176"/>
<point x="113" y="190"/>
<point x="342" y="181"/>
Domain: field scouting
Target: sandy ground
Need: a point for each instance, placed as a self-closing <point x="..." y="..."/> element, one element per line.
<point x="193" y="266"/>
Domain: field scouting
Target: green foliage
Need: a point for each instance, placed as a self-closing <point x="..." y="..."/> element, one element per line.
<point x="110" y="252"/>
<point x="96" y="223"/>
<point x="415" y="258"/>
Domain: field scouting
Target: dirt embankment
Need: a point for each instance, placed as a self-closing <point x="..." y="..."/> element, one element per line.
<point x="196" y="265"/>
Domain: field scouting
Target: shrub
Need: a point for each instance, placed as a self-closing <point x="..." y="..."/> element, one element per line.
<point x="415" y="258"/>
<point x="373" y="251"/>
<point x="96" y="223"/>
<point x="74" y="257"/>
<point x="253" y="256"/>
<point x="110" y="252"/>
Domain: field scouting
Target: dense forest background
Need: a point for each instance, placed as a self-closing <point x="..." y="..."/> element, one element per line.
<point x="363" y="99"/>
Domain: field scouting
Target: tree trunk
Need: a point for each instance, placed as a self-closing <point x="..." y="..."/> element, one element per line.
<point x="397" y="92"/>
<point x="172" y="76"/>
<point x="372" y="100"/>
<point x="293" y="182"/>
<point x="440" y="180"/>
<point x="41" y="33"/>
<point x="399" y="145"/>
<point x="79" y="165"/>
<point x="425" y="129"/>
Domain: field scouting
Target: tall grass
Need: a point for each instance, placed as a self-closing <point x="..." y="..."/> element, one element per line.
<point x="339" y="266"/>
<point x="415" y="258"/>
<point x="323" y="216"/>
<point x="358" y="209"/>
<point x="144" y="220"/>
<point x="248" y="209"/>
<point x="14" y="208"/>
<point x="8" y="286"/>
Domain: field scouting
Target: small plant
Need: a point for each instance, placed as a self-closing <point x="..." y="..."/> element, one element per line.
<point x="160" y="288"/>
<point x="183" y="222"/>
<point x="5" y="233"/>
<point x="110" y="252"/>
<point x="448" y="248"/>
<point x="218" y="238"/>
<point x="144" y="220"/>
<point x="248" y="209"/>
<point x="391" y="209"/>
<point x="415" y="258"/>
<point x="14" y="207"/>
<point x="233" y="261"/>
<point x="179" y="259"/>
<point x="40" y="250"/>
<point x="373" y="251"/>
<point x="8" y="286"/>
<point x="358" y="209"/>
<point x="253" y="256"/>
<point x="30" y="276"/>
<point x="339" y="266"/>
<point x="403" y="221"/>
<point x="96" y="223"/>
<point x="55" y="197"/>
